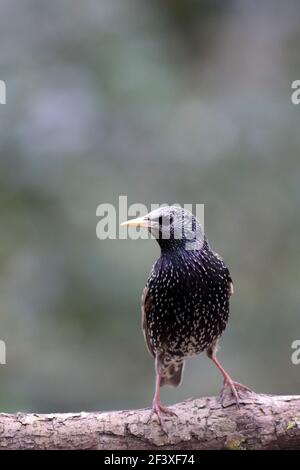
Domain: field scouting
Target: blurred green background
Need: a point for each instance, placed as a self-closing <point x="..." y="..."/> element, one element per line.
<point x="174" y="101"/>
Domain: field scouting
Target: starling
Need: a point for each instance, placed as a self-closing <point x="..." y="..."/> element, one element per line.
<point x="185" y="304"/>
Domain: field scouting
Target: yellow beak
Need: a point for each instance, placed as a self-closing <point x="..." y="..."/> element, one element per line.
<point x="138" y="222"/>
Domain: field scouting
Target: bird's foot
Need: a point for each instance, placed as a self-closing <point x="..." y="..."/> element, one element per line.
<point x="160" y="411"/>
<point x="235" y="388"/>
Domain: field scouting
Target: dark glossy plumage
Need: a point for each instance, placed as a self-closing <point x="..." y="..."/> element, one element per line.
<point x="185" y="306"/>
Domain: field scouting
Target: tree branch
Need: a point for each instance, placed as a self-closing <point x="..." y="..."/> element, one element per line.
<point x="262" y="422"/>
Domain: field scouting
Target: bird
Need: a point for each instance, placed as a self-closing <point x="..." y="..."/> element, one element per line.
<point x="185" y="303"/>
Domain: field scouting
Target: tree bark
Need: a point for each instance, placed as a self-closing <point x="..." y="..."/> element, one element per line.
<point x="261" y="422"/>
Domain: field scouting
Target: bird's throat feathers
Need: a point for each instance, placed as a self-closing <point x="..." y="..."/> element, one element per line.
<point x="176" y="257"/>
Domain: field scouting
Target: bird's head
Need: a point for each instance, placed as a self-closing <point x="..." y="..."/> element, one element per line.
<point x="173" y="228"/>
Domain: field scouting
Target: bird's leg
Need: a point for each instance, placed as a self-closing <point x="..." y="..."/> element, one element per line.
<point x="157" y="407"/>
<point x="228" y="382"/>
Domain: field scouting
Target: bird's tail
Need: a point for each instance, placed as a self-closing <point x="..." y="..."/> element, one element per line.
<point x="172" y="375"/>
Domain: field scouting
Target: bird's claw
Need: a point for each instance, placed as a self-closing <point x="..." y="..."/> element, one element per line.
<point x="235" y="387"/>
<point x="159" y="411"/>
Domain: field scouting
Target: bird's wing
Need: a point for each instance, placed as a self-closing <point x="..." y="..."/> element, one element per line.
<point x="230" y="283"/>
<point x="146" y="305"/>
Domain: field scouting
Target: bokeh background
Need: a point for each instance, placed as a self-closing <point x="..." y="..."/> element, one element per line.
<point x="174" y="101"/>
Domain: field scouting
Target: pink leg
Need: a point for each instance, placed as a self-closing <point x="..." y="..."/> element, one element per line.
<point x="157" y="407"/>
<point x="229" y="382"/>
